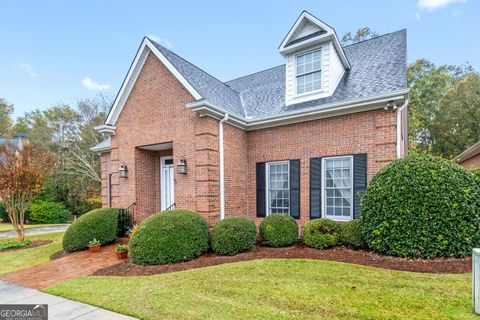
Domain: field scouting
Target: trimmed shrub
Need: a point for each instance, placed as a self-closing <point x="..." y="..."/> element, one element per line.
<point x="321" y="233"/>
<point x="233" y="235"/>
<point x="422" y="206"/>
<point x="476" y="172"/>
<point x="279" y="230"/>
<point x="169" y="237"/>
<point x="44" y="211"/>
<point x="351" y="234"/>
<point x="100" y="224"/>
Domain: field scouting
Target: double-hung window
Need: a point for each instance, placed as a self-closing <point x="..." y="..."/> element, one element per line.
<point x="338" y="188"/>
<point x="308" y="71"/>
<point x="278" y="187"/>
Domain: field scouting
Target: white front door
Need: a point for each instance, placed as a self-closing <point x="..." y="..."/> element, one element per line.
<point x="166" y="183"/>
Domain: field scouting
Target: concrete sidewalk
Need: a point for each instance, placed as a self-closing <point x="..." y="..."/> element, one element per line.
<point x="58" y="308"/>
<point x="34" y="231"/>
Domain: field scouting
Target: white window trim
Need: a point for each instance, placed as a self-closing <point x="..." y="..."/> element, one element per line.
<point x="267" y="182"/>
<point x="324" y="193"/>
<point x="321" y="90"/>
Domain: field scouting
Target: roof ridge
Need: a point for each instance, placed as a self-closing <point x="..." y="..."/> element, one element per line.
<point x="251" y="74"/>
<point x="178" y="56"/>
<point x="376" y="37"/>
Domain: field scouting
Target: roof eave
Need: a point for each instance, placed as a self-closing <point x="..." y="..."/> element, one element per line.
<point x="469" y="153"/>
<point x="205" y="108"/>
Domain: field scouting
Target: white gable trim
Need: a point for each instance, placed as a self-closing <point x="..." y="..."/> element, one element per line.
<point x="323" y="37"/>
<point x="145" y="48"/>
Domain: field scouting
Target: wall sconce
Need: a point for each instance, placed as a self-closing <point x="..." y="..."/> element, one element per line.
<point x="123" y="171"/>
<point x="182" y="166"/>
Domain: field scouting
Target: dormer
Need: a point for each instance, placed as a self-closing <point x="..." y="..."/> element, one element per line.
<point x="315" y="60"/>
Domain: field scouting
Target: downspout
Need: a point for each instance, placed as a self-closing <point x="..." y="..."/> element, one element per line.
<point x="399" y="127"/>
<point x="222" y="167"/>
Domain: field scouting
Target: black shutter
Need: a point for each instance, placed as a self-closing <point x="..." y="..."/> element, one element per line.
<point x="315" y="188"/>
<point x="260" y="176"/>
<point x="359" y="181"/>
<point x="295" y="188"/>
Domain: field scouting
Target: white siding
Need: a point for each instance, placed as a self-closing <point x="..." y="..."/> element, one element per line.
<point x="332" y="72"/>
<point x="305" y="28"/>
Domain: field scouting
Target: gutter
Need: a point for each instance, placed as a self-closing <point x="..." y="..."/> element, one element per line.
<point x="399" y="127"/>
<point x="222" y="166"/>
<point x="205" y="108"/>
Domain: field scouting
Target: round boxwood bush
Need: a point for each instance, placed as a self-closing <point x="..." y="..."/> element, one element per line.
<point x="169" y="237"/>
<point x="422" y="206"/>
<point x="233" y="235"/>
<point x="321" y="233"/>
<point x="279" y="230"/>
<point x="351" y="234"/>
<point x="44" y="211"/>
<point x="100" y="224"/>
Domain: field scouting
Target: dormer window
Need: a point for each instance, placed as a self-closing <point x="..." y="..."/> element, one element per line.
<point x="309" y="71"/>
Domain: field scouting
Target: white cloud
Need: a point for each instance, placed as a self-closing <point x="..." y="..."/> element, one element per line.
<point x="164" y="42"/>
<point x="418" y="16"/>
<point x="25" y="67"/>
<point x="435" y="4"/>
<point x="90" y="84"/>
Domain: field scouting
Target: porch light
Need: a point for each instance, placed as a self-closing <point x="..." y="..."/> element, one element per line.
<point x="123" y="171"/>
<point x="182" y="166"/>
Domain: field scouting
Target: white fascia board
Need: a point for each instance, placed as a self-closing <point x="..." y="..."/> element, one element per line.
<point x="469" y="153"/>
<point x="331" y="34"/>
<point x="106" y="128"/>
<point x="100" y="150"/>
<point x="145" y="48"/>
<point x="204" y="108"/>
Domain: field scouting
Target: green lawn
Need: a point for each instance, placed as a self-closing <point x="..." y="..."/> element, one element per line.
<point x="8" y="226"/>
<point x="278" y="289"/>
<point x="15" y="260"/>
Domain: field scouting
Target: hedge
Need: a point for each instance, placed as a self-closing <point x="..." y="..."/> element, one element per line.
<point x="351" y="234"/>
<point x="279" y="230"/>
<point x="169" y="237"/>
<point x="233" y="235"/>
<point x="321" y="233"/>
<point x="44" y="211"/>
<point x="422" y="206"/>
<point x="100" y="224"/>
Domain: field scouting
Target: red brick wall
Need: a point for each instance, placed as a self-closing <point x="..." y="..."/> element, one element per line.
<point x="472" y="163"/>
<point x="371" y="132"/>
<point x="155" y="113"/>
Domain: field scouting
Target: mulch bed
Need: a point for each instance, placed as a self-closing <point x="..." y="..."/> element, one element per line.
<point x="58" y="255"/>
<point x="299" y="251"/>
<point x="35" y="243"/>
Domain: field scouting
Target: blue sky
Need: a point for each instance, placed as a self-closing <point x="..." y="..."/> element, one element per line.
<point x="59" y="51"/>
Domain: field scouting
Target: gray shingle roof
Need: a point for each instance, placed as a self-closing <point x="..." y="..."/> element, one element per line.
<point x="209" y="87"/>
<point x="378" y="66"/>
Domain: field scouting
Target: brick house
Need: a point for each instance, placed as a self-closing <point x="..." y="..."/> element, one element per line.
<point x="470" y="158"/>
<point x="302" y="138"/>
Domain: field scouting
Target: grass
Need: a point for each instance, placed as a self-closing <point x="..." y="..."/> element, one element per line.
<point x="278" y="289"/>
<point x="4" y="226"/>
<point x="16" y="260"/>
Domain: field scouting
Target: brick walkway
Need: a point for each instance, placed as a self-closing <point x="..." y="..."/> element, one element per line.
<point x="71" y="266"/>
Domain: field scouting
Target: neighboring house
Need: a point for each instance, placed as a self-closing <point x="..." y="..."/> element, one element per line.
<point x="470" y="158"/>
<point x="301" y="138"/>
<point x="18" y="141"/>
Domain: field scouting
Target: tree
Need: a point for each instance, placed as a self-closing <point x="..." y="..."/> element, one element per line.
<point x="458" y="125"/>
<point x="22" y="174"/>
<point x="6" y="110"/>
<point x="428" y="125"/>
<point x="362" y="34"/>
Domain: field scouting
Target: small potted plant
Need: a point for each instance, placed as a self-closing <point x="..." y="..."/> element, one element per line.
<point x="132" y="230"/>
<point x="122" y="251"/>
<point x="94" y="245"/>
